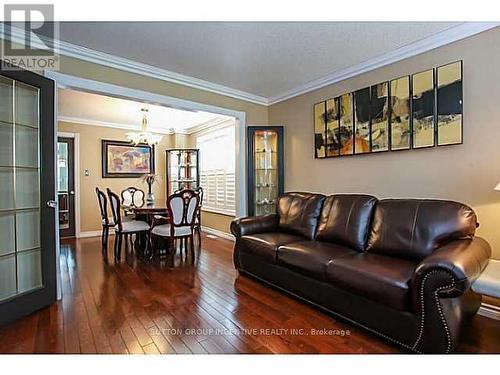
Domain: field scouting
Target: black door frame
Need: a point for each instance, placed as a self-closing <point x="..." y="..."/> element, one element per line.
<point x="26" y="303"/>
<point x="69" y="232"/>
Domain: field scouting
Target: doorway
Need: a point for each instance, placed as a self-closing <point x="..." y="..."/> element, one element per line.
<point x="66" y="186"/>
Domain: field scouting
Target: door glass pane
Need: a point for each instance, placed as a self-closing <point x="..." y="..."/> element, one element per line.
<point x="7" y="276"/>
<point x="7" y="243"/>
<point x="27" y="189"/>
<point x="6" y="143"/>
<point x="20" y="244"/>
<point x="6" y="89"/>
<point x="62" y="166"/>
<point x="6" y="188"/>
<point x="28" y="230"/>
<point x="26" y="105"/>
<point x="29" y="270"/>
<point x="26" y="146"/>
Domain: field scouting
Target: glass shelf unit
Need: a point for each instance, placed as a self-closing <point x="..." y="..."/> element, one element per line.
<point x="265" y="168"/>
<point x="182" y="169"/>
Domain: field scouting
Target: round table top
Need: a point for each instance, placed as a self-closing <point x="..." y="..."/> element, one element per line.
<point x="150" y="210"/>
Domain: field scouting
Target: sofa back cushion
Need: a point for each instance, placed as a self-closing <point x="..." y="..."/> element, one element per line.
<point x="299" y="213"/>
<point x="414" y="228"/>
<point x="345" y="219"/>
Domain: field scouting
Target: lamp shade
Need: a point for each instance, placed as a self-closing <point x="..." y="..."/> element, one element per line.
<point x="497" y="188"/>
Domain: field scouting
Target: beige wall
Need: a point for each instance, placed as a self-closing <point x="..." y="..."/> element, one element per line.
<point x="466" y="173"/>
<point x="216" y="221"/>
<point x="90" y="158"/>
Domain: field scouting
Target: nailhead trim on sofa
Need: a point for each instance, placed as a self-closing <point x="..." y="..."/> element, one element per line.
<point x="438" y="305"/>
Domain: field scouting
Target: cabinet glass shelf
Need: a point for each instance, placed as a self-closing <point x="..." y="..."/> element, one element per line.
<point x="265" y="168"/>
<point x="182" y="169"/>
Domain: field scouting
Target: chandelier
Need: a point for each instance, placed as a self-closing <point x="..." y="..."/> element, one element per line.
<point x="144" y="136"/>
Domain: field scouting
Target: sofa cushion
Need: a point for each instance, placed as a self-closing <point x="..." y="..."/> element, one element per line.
<point x="265" y="245"/>
<point x="345" y="219"/>
<point x="377" y="277"/>
<point x="299" y="213"/>
<point x="414" y="228"/>
<point x="310" y="257"/>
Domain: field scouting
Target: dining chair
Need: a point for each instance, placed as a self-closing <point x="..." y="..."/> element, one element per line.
<point x="132" y="197"/>
<point x="182" y="208"/>
<point x="197" y="227"/>
<point x="125" y="229"/>
<point x="106" y="221"/>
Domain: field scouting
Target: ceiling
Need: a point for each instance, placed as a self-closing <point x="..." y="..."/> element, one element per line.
<point x="94" y="109"/>
<point x="264" y="59"/>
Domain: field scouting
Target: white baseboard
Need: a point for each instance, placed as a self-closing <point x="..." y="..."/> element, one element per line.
<point x="92" y="233"/>
<point x="215" y="232"/>
<point x="218" y="233"/>
<point x="489" y="311"/>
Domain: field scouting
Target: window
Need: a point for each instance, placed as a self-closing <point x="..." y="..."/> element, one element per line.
<point x="217" y="169"/>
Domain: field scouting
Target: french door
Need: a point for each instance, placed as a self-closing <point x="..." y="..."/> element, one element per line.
<point x="27" y="194"/>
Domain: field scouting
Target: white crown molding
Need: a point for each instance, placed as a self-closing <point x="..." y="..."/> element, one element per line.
<point x="106" y="124"/>
<point x="72" y="50"/>
<point x="440" y="39"/>
<point x="214" y="124"/>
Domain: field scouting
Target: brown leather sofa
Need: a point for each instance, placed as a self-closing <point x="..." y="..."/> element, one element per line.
<point x="401" y="268"/>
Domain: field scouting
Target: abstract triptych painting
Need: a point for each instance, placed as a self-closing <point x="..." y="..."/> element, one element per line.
<point x="410" y="112"/>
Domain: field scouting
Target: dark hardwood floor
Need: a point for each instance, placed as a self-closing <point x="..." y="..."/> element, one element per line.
<point x="140" y="307"/>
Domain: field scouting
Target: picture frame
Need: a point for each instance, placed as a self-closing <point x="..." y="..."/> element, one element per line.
<point x="449" y="102"/>
<point x="423" y="109"/>
<point x="379" y="117"/>
<point x="362" y="136"/>
<point x="319" y="130"/>
<point x="122" y="159"/>
<point x="400" y="113"/>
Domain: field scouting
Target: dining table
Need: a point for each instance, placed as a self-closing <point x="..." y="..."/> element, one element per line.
<point x="147" y="213"/>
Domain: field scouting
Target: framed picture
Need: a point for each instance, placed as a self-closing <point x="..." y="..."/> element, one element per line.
<point x="346" y="124"/>
<point x="123" y="159"/>
<point x="400" y="109"/>
<point x="423" y="109"/>
<point x="362" y="121"/>
<point x="379" y="128"/>
<point x="320" y="130"/>
<point x="449" y="104"/>
<point x="332" y="128"/>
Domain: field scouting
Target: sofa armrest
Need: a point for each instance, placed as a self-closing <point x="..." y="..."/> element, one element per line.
<point x="254" y="224"/>
<point x="437" y="283"/>
<point x="463" y="261"/>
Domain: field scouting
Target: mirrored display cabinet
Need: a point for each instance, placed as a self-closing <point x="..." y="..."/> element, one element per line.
<point x="265" y="168"/>
<point x="182" y="169"/>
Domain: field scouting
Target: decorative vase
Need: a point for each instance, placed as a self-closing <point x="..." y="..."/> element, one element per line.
<point x="150" y="198"/>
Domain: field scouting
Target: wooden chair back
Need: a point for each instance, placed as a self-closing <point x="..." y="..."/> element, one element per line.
<point x="115" y="204"/>
<point x="103" y="205"/>
<point x="182" y="208"/>
<point x="132" y="197"/>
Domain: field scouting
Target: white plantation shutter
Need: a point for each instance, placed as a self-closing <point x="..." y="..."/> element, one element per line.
<point x="217" y="170"/>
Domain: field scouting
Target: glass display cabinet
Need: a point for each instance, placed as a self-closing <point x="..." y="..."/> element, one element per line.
<point x="265" y="168"/>
<point x="182" y="169"/>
